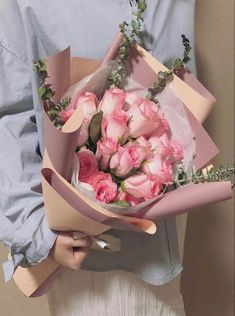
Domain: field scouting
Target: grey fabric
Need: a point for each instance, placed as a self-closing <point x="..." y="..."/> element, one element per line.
<point x="33" y="29"/>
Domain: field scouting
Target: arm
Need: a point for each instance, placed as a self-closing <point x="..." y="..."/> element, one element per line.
<point x="25" y="231"/>
<point x="23" y="226"/>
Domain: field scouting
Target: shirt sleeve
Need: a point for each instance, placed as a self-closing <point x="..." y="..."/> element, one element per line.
<point x="23" y="226"/>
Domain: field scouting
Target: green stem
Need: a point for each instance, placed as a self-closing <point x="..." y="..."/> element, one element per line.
<point x="164" y="77"/>
<point x="129" y="38"/>
<point x="46" y="93"/>
<point x="221" y="173"/>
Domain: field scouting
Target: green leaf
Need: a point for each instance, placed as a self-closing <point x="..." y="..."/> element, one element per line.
<point x="121" y="203"/>
<point x="43" y="75"/>
<point x="122" y="186"/>
<point x="64" y="103"/>
<point x="142" y="5"/>
<point x="161" y="75"/>
<point x="134" y="25"/>
<point x="41" y="91"/>
<point x="49" y="94"/>
<point x="39" y="65"/>
<point x="95" y="127"/>
<point x="186" y="59"/>
<point x="43" y="65"/>
<point x="129" y="37"/>
<point x="177" y="63"/>
<point x="122" y="140"/>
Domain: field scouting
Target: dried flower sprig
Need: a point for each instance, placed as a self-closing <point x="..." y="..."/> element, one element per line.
<point x="129" y="38"/>
<point x="46" y="93"/>
<point x="213" y="174"/>
<point x="164" y="77"/>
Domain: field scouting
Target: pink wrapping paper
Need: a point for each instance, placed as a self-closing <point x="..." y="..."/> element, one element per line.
<point x="69" y="210"/>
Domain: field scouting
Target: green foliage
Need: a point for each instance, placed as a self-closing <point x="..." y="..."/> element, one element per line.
<point x="178" y="64"/>
<point x="40" y="67"/>
<point x="120" y="180"/>
<point x="129" y="38"/>
<point x="46" y="93"/>
<point x="121" y="203"/>
<point x="122" y="186"/>
<point x="95" y="127"/>
<point x="163" y="78"/>
<point x="221" y="173"/>
<point x="64" y="103"/>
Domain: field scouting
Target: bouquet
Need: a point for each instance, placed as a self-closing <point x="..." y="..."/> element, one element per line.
<point x="124" y="145"/>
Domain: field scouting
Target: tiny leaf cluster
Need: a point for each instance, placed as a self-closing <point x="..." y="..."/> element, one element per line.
<point x="214" y="174"/>
<point x="164" y="77"/>
<point x="129" y="38"/>
<point x="46" y="93"/>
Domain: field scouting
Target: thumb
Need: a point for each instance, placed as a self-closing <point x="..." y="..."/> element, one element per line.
<point x="79" y="256"/>
<point x="81" y="242"/>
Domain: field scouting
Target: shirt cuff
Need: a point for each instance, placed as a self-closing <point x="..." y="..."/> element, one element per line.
<point x="31" y="244"/>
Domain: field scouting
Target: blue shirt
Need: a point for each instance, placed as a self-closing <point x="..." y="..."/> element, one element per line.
<point x="35" y="29"/>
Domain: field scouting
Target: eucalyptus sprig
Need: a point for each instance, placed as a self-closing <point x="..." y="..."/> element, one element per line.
<point x="221" y="173"/>
<point x="164" y="77"/>
<point x="46" y="93"/>
<point x="213" y="174"/>
<point x="129" y="38"/>
<point x="180" y="63"/>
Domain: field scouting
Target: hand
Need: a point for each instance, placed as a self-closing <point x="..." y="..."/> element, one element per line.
<point x="68" y="252"/>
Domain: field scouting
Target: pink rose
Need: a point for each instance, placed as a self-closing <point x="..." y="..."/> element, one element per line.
<point x="84" y="134"/>
<point x="146" y="147"/>
<point x="170" y="151"/>
<point x="88" y="165"/>
<point x="159" y="170"/>
<point x="142" y="186"/>
<point x="131" y="98"/>
<point x="121" y="195"/>
<point x="105" y="188"/>
<point x="115" y="126"/>
<point x="88" y="102"/>
<point x="106" y="147"/>
<point x="131" y="200"/>
<point x="121" y="162"/>
<point x="138" y="154"/>
<point x="159" y="145"/>
<point x="106" y="191"/>
<point x="128" y="158"/>
<point x="97" y="177"/>
<point x="144" y="118"/>
<point x="177" y="153"/>
<point x="66" y="114"/>
<point x="113" y="100"/>
<point x="163" y="127"/>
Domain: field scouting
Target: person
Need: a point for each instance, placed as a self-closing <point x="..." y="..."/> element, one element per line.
<point x="30" y="30"/>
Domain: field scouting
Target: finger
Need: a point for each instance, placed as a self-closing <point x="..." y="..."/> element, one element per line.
<point x="82" y="242"/>
<point x="65" y="239"/>
<point x="79" y="256"/>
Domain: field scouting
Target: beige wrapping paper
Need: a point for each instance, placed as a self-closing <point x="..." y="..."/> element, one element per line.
<point x="63" y="216"/>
